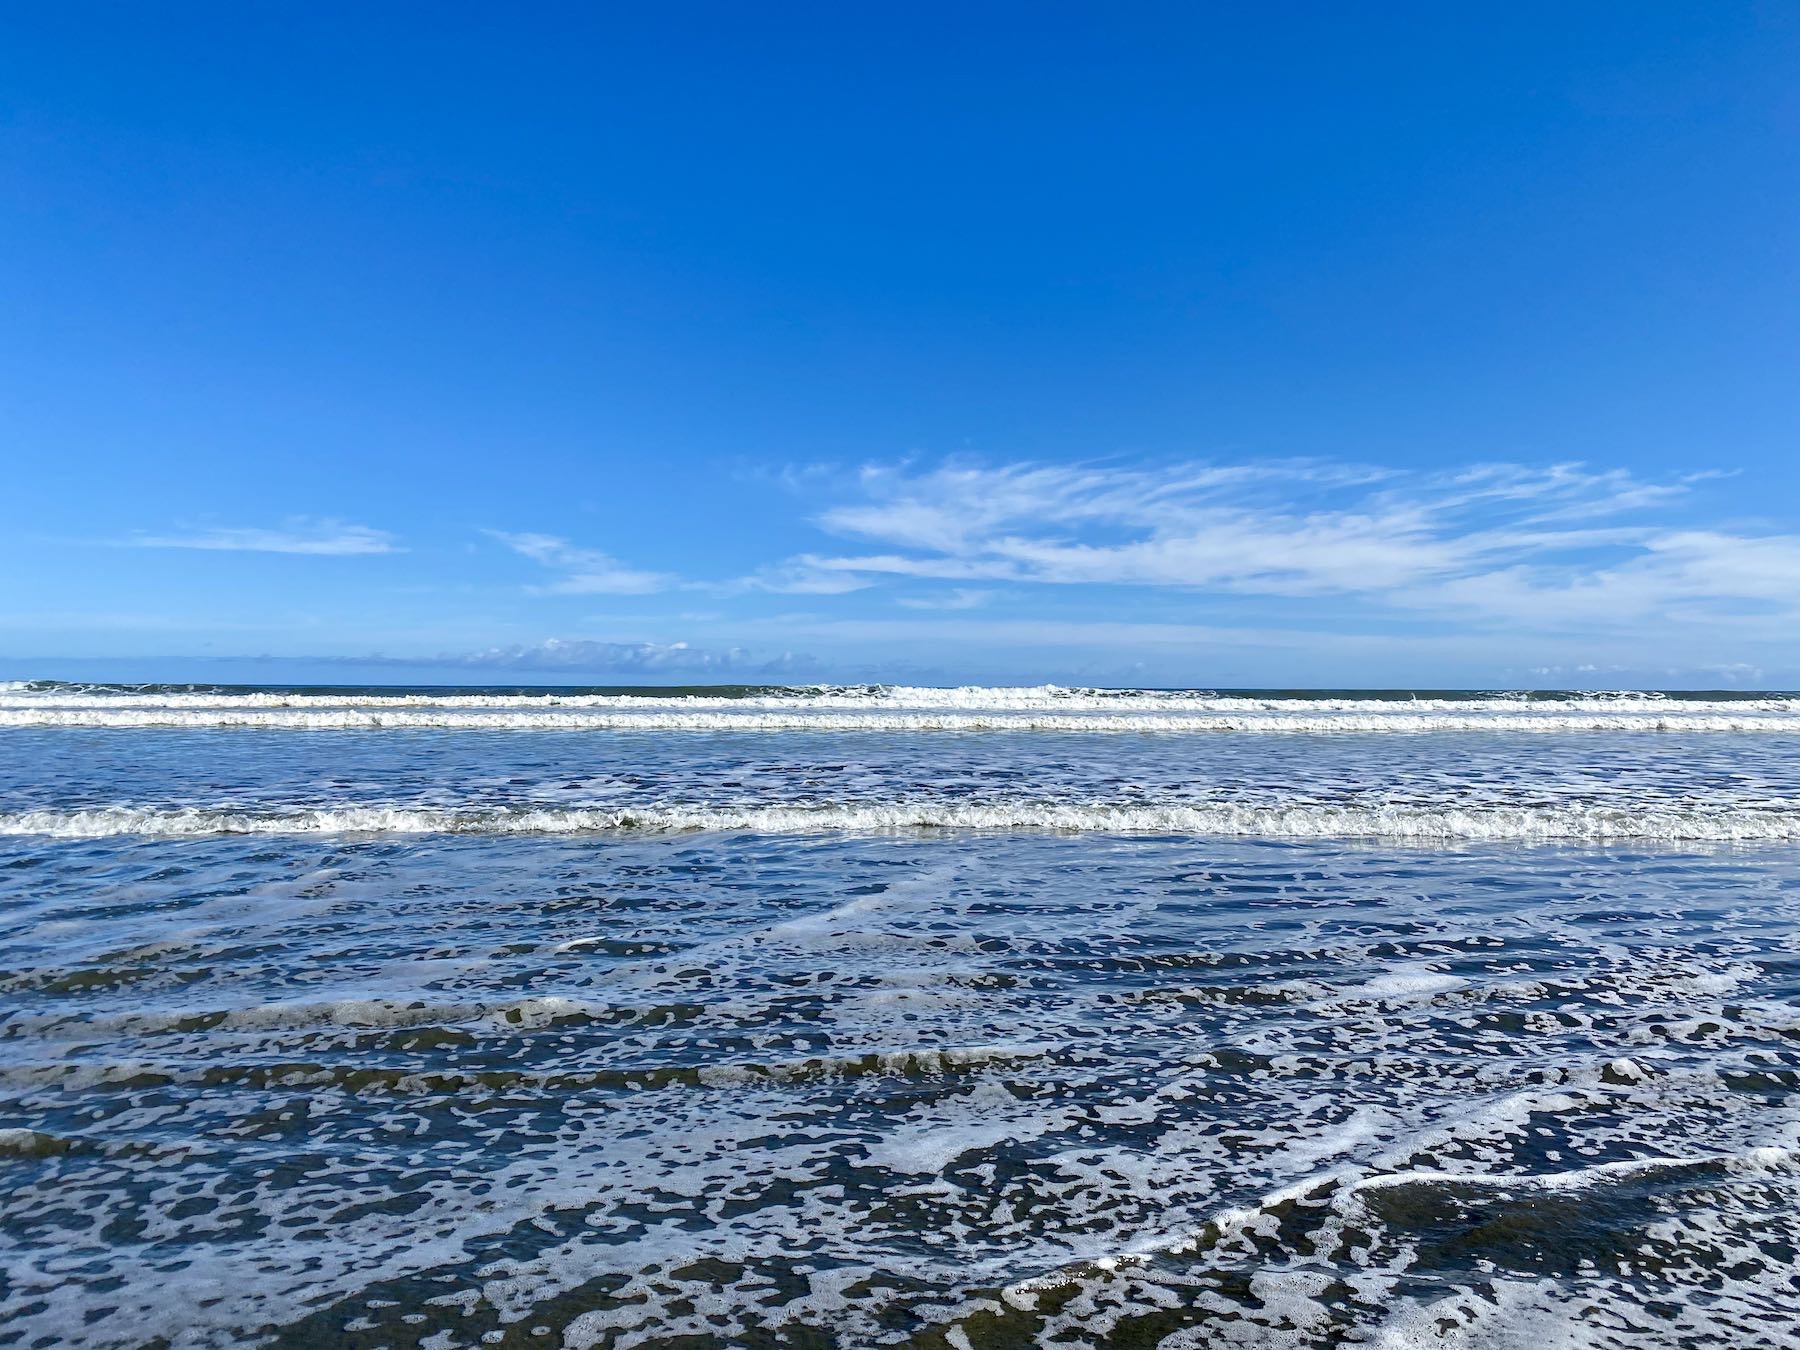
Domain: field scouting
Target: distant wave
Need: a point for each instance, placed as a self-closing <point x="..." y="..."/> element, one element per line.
<point x="886" y="708"/>
<point x="1364" y="719"/>
<point x="872" y="697"/>
<point x="1661" y="821"/>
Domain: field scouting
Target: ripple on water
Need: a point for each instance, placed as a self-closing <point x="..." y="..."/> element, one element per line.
<point x="991" y="1090"/>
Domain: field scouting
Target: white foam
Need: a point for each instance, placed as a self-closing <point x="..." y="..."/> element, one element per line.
<point x="1403" y="986"/>
<point x="886" y="708"/>
<point x="672" y="1204"/>
<point x="1657" y="822"/>
<point x="1751" y="1161"/>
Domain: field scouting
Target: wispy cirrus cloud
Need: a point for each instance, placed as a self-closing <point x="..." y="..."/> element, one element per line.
<point x="1681" y="575"/>
<point x="1497" y="547"/>
<point x="584" y="571"/>
<point x="796" y="577"/>
<point x="297" y="534"/>
<point x="959" y="597"/>
<point x="1558" y="544"/>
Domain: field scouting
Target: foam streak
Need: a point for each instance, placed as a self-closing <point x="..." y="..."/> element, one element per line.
<point x="1663" y="822"/>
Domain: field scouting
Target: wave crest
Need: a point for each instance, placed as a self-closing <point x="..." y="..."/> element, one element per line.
<point x="1362" y="719"/>
<point x="1410" y="823"/>
<point x="887" y="708"/>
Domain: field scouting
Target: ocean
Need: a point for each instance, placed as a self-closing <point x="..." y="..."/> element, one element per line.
<point x="897" y="1016"/>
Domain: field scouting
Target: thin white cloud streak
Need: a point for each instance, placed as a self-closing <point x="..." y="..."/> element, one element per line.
<point x="299" y="534"/>
<point x="961" y="597"/>
<point x="953" y="508"/>
<point x="585" y="571"/>
<point x="588" y="654"/>
<point x="794" y="577"/>
<point x="1691" y="576"/>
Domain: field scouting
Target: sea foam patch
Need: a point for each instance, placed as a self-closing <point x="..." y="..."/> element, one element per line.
<point x="1476" y="1080"/>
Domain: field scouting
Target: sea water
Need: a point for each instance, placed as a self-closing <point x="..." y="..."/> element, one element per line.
<point x="871" y="1016"/>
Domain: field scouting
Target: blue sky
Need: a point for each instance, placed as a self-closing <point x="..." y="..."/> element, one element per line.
<point x="1175" y="344"/>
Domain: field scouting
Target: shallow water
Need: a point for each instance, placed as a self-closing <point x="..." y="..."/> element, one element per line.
<point x="846" y="1081"/>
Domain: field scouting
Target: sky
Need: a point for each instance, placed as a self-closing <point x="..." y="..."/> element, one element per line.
<point x="1195" y="344"/>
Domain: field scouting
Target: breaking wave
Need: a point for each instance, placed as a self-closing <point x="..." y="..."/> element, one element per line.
<point x="1659" y="822"/>
<point x="887" y="708"/>
<point x="1353" y="718"/>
